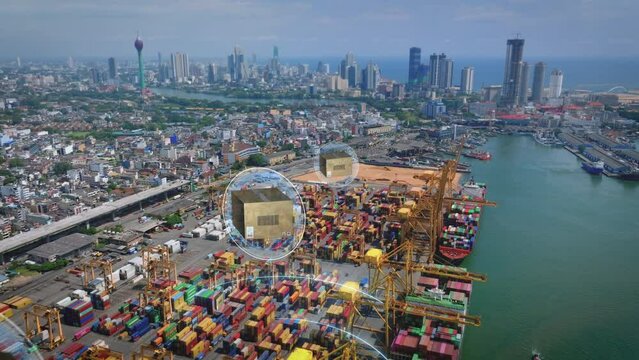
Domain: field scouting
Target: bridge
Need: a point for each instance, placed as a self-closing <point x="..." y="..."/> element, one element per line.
<point x="24" y="239"/>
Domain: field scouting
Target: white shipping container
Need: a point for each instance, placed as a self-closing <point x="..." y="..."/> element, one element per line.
<point x="64" y="302"/>
<point x="199" y="232"/>
<point x="136" y="261"/>
<point x="137" y="279"/>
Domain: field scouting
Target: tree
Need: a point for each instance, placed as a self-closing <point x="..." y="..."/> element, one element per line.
<point x="288" y="146"/>
<point x="237" y="166"/>
<point x="62" y="167"/>
<point x="16" y="162"/>
<point x="256" y="160"/>
<point x="173" y="219"/>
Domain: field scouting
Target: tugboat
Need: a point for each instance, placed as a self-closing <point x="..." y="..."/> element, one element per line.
<point x="479" y="155"/>
<point x="595" y="168"/>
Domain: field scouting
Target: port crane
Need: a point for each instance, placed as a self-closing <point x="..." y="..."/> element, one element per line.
<point x="97" y="352"/>
<point x="43" y="327"/>
<point x="148" y="352"/>
<point x="106" y="270"/>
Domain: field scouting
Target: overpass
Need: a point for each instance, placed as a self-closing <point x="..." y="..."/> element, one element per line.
<point x="26" y="238"/>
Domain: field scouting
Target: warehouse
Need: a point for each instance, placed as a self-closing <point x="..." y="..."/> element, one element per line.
<point x="65" y="247"/>
<point x="262" y="214"/>
<point x="337" y="163"/>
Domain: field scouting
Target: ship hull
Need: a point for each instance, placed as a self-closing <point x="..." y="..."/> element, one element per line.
<point x="591" y="169"/>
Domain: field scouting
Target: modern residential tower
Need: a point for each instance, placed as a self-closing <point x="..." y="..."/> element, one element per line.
<point x="180" y="70"/>
<point x="467" y="79"/>
<point x="512" y="72"/>
<point x="556" y="83"/>
<point x="523" y="88"/>
<point x="414" y="62"/>
<point x="538" y="82"/>
<point x="113" y="71"/>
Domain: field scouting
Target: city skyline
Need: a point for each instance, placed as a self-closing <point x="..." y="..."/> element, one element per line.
<point x="315" y="29"/>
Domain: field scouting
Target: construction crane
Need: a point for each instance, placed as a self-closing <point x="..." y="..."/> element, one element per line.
<point x="43" y="326"/>
<point x="161" y="298"/>
<point x="106" y="270"/>
<point x="148" y="352"/>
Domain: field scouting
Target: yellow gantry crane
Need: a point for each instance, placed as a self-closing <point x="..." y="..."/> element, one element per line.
<point x="148" y="352"/>
<point x="97" y="352"/>
<point x="43" y="326"/>
<point x="104" y="267"/>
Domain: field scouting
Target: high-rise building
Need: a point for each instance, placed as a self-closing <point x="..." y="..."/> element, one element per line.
<point x="71" y="63"/>
<point x="180" y="70"/>
<point x="113" y="72"/>
<point x="276" y="52"/>
<point x="398" y="91"/>
<point x="349" y="60"/>
<point x="440" y="72"/>
<point x="18" y="62"/>
<point x="523" y="88"/>
<point x="326" y="69"/>
<point x="354" y="75"/>
<point x="96" y="76"/>
<point x="212" y="73"/>
<point x="445" y="73"/>
<point x="538" y="82"/>
<point x="433" y="74"/>
<point x="370" y="77"/>
<point x="138" y="46"/>
<point x="467" y="79"/>
<point x="512" y="72"/>
<point x="302" y="69"/>
<point x="159" y="59"/>
<point x="237" y="66"/>
<point x="414" y="62"/>
<point x="556" y="83"/>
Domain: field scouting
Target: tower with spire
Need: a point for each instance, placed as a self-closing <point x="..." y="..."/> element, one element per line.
<point x="138" y="46"/>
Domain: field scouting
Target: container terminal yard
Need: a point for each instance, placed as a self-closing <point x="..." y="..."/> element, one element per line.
<point x="373" y="277"/>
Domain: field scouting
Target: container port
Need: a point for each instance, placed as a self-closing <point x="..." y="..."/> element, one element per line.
<point x="373" y="276"/>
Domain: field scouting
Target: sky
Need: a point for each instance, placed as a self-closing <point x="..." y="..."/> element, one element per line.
<point x="210" y="28"/>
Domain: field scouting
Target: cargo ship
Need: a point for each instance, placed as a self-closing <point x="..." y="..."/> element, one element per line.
<point x="479" y="155"/>
<point x="593" y="168"/>
<point x="461" y="225"/>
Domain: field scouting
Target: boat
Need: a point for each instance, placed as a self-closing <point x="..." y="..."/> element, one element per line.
<point x="461" y="224"/>
<point x="477" y="154"/>
<point x="631" y="175"/>
<point x="546" y="138"/>
<point x="594" y="168"/>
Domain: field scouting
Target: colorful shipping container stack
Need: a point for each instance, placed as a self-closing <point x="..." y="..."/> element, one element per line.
<point x="77" y="313"/>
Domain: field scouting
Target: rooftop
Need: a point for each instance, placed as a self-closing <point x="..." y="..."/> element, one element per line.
<point x="63" y="245"/>
<point x="335" y="155"/>
<point x="260" y="195"/>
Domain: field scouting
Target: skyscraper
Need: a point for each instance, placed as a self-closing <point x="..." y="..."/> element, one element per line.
<point x="237" y="65"/>
<point x="354" y="75"/>
<point x="467" y="79"/>
<point x="138" y="46"/>
<point x="212" y="73"/>
<point x="180" y="70"/>
<point x="159" y="58"/>
<point x="523" y="88"/>
<point x="445" y="72"/>
<point x="512" y="72"/>
<point x="556" y="82"/>
<point x="276" y="52"/>
<point x="414" y="61"/>
<point x="18" y="62"/>
<point x="349" y="60"/>
<point x="538" y="82"/>
<point x="369" y="77"/>
<point x="433" y="74"/>
<point x="113" y="72"/>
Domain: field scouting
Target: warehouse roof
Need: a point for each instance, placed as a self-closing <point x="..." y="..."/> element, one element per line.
<point x="62" y="246"/>
<point x="335" y="155"/>
<point x="260" y="195"/>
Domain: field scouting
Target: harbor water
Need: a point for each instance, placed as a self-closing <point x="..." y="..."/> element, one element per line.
<point x="560" y="251"/>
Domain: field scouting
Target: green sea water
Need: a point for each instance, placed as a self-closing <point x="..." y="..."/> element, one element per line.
<point x="561" y="253"/>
